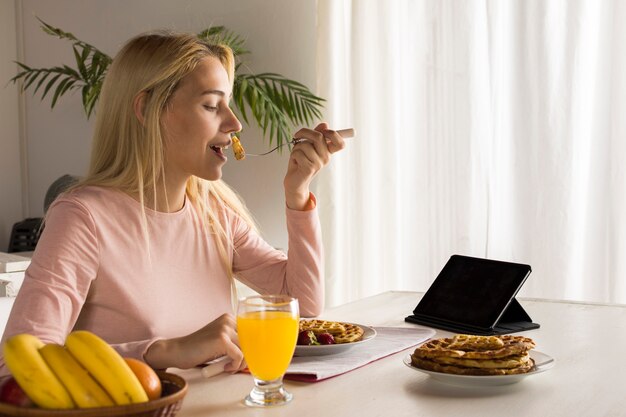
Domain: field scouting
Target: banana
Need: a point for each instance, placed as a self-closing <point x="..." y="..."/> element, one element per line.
<point x="107" y="367"/>
<point x="83" y="389"/>
<point x="22" y="357"/>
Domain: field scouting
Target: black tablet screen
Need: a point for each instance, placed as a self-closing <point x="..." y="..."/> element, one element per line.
<point x="472" y="291"/>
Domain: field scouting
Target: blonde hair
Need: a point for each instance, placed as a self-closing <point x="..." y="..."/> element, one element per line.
<point x="128" y="154"/>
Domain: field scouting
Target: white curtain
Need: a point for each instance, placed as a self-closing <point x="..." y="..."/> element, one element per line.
<point x="486" y="128"/>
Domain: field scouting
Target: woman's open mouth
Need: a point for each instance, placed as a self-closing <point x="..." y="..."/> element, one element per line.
<point x="218" y="149"/>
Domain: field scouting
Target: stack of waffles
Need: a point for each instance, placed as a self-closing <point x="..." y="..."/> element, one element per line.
<point x="476" y="355"/>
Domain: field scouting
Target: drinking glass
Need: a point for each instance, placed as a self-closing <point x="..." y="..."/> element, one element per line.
<point x="268" y="331"/>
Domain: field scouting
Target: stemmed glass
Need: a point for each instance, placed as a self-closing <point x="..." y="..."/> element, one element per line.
<point x="268" y="331"/>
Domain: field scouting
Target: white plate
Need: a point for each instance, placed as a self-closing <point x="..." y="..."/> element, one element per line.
<point x="319" y="350"/>
<point x="543" y="363"/>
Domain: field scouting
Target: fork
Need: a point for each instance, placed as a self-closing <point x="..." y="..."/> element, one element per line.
<point x="344" y="133"/>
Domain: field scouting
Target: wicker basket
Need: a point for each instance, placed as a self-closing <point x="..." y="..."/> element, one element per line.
<point x="174" y="390"/>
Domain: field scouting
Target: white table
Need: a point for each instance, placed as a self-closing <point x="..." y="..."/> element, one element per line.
<point x="587" y="341"/>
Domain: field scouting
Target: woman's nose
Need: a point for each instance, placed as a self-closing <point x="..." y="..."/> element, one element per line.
<point x="233" y="123"/>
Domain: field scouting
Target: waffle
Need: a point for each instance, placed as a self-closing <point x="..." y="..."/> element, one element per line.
<point x="323" y="326"/>
<point x="430" y="365"/>
<point x="342" y="332"/>
<point x="512" y="361"/>
<point x="471" y="342"/>
<point x="353" y="333"/>
<point x="238" y="150"/>
<point x="476" y="355"/>
<point x="511" y="345"/>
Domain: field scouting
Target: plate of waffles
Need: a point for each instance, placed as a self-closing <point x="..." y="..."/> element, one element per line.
<point x="346" y="336"/>
<point x="479" y="360"/>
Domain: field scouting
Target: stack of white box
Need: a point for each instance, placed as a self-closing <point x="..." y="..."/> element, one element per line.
<point x="12" y="269"/>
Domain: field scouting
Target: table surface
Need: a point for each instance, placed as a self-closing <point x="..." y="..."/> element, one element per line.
<point x="587" y="341"/>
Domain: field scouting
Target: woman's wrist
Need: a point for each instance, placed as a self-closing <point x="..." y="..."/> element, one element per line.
<point x="299" y="200"/>
<point x="161" y="354"/>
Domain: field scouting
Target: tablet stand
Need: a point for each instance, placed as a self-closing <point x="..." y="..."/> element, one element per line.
<point x="514" y="319"/>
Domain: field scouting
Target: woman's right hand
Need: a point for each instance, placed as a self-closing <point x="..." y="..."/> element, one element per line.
<point x="218" y="338"/>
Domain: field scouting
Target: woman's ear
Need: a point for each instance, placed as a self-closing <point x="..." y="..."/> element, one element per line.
<point x="139" y="106"/>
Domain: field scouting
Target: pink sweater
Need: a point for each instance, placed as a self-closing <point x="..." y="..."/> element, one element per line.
<point x="91" y="270"/>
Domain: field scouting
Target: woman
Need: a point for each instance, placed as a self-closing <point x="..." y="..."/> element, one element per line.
<point x="143" y="251"/>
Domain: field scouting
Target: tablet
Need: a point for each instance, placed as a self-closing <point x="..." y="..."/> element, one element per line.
<point x="477" y="296"/>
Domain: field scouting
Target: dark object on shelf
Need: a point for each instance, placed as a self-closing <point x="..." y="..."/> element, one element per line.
<point x="25" y="235"/>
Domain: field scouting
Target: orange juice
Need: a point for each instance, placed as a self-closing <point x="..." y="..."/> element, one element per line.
<point x="268" y="340"/>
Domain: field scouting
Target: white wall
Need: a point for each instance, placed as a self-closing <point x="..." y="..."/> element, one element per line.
<point x="10" y="167"/>
<point x="280" y="34"/>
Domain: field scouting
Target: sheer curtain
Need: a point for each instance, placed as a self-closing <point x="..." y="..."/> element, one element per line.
<point x="485" y="128"/>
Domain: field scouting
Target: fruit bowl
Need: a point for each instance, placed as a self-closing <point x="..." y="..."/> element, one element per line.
<point x="174" y="390"/>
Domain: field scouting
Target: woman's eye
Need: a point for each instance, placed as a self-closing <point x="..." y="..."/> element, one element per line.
<point x="210" y="108"/>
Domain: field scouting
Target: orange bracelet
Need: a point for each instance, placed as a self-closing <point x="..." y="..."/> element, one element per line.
<point x="311" y="204"/>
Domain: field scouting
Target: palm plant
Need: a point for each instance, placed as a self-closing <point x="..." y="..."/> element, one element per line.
<point x="276" y="103"/>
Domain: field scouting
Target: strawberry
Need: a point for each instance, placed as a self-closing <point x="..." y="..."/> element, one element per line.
<point x="307" y="337"/>
<point x="326" y="339"/>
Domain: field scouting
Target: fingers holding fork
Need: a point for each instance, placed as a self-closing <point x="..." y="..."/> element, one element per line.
<point x="334" y="146"/>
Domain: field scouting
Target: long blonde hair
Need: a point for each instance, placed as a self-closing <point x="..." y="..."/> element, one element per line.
<point x="128" y="154"/>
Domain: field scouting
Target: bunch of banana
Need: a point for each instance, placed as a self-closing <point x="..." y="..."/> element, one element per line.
<point x="32" y="373"/>
<point x="86" y="372"/>
<point x="106" y="366"/>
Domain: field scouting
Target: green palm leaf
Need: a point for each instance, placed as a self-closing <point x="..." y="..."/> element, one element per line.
<point x="221" y="35"/>
<point x="276" y="103"/>
<point x="91" y="67"/>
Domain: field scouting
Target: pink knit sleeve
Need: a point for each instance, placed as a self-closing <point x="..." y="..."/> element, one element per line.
<point x="57" y="281"/>
<point x="268" y="270"/>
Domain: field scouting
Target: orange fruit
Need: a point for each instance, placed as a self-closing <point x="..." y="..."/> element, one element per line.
<point x="147" y="377"/>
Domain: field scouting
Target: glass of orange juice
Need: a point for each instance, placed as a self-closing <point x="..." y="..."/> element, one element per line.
<point x="268" y="330"/>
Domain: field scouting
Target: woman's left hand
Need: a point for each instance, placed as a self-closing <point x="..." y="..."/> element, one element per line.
<point x="307" y="158"/>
